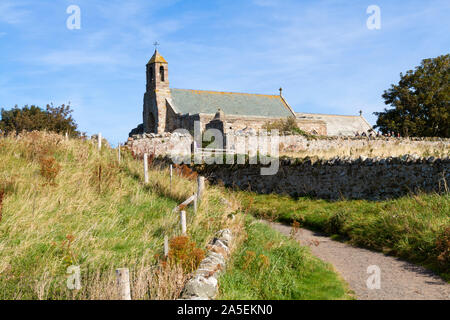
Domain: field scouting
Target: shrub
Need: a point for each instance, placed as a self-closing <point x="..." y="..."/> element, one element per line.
<point x="49" y="168"/>
<point x="288" y="125"/>
<point x="183" y="251"/>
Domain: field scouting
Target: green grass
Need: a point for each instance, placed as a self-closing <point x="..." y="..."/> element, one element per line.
<point x="409" y="227"/>
<point x="268" y="265"/>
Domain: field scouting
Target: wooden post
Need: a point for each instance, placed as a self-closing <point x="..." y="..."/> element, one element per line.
<point x="185" y="203"/>
<point x="118" y="147"/>
<point x="200" y="187"/>
<point x="170" y="176"/>
<point x="99" y="141"/>
<point x="67" y="136"/>
<point x="145" y="168"/>
<point x="195" y="204"/>
<point x="123" y="283"/>
<point x="183" y="222"/>
<point x="166" y="246"/>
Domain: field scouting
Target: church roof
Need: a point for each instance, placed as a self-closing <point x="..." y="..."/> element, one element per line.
<point x="157" y="58"/>
<point x="339" y="125"/>
<point x="231" y="103"/>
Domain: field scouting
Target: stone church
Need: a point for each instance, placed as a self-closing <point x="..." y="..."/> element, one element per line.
<point x="167" y="109"/>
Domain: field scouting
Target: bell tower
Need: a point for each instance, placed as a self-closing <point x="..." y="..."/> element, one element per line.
<point x="156" y="93"/>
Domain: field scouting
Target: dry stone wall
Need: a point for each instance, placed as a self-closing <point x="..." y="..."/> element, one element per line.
<point x="363" y="178"/>
<point x="204" y="284"/>
<point x="160" y="144"/>
<point x="296" y="143"/>
<point x="360" y="178"/>
<point x="168" y="143"/>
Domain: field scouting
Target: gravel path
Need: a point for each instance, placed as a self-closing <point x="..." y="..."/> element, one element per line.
<point x="398" y="279"/>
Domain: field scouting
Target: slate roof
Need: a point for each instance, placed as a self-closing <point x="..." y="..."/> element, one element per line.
<point x="232" y="103"/>
<point x="338" y="125"/>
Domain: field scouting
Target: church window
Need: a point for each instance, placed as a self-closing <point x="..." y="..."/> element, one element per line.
<point x="161" y="72"/>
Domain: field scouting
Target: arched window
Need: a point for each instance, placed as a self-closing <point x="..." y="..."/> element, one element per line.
<point x="161" y="72"/>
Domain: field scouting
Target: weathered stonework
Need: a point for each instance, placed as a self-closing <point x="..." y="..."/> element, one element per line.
<point x="164" y="144"/>
<point x="204" y="283"/>
<point x="157" y="92"/>
<point x="363" y="178"/>
<point x="160" y="144"/>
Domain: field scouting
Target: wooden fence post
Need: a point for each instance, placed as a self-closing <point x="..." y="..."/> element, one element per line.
<point x="145" y="168"/>
<point x="67" y="136"/>
<point x="166" y="246"/>
<point x="118" y="147"/>
<point x="183" y="222"/>
<point x="200" y="187"/>
<point x="195" y="204"/>
<point x="99" y="141"/>
<point x="123" y="283"/>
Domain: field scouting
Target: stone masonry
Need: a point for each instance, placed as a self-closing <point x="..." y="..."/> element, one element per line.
<point x="363" y="178"/>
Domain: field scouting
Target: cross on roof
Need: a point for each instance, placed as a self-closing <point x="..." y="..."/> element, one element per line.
<point x="156" y="44"/>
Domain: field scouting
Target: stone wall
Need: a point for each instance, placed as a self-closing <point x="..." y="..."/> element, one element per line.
<point x="296" y="143"/>
<point x="162" y="144"/>
<point x="204" y="284"/>
<point x="363" y="178"/>
<point x="360" y="178"/>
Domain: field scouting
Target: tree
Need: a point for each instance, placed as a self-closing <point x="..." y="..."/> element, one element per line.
<point x="55" y="119"/>
<point x="420" y="101"/>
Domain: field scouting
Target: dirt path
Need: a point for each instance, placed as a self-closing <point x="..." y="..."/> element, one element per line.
<point x="398" y="279"/>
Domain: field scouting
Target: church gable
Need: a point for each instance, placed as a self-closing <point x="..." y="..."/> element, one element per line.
<point x="231" y="103"/>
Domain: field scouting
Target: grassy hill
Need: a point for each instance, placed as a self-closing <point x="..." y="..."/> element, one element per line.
<point x="65" y="203"/>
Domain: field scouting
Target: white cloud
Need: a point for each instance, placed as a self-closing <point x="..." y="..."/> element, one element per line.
<point x="12" y="13"/>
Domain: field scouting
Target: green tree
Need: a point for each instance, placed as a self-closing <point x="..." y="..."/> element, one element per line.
<point x="420" y="101"/>
<point x="55" y="119"/>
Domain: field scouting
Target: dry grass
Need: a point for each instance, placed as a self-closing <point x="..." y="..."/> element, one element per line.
<point x="96" y="214"/>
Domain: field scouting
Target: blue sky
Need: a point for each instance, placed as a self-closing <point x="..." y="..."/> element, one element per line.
<point x="320" y="52"/>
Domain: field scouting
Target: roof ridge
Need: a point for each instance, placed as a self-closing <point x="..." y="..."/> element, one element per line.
<point x="232" y="92"/>
<point x="327" y="114"/>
